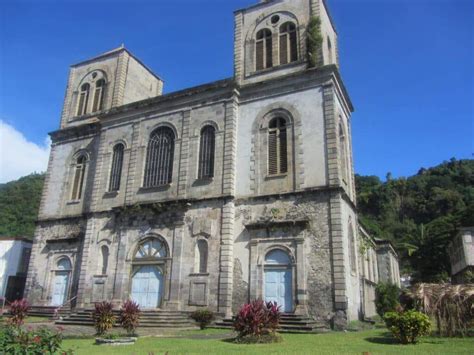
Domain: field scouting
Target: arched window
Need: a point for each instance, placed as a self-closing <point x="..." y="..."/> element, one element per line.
<point x="277" y="147"/>
<point x="343" y="152"/>
<point x="98" y="95"/>
<point x="116" y="170"/>
<point x="83" y="99"/>
<point x="264" y="49"/>
<point x="201" y="257"/>
<point x="206" y="152"/>
<point x="151" y="248"/>
<point x="64" y="264"/>
<point x="277" y="257"/>
<point x="352" y="253"/>
<point x="288" y="43"/>
<point x="329" y="50"/>
<point x="159" y="159"/>
<point x="105" y="259"/>
<point x="79" y="174"/>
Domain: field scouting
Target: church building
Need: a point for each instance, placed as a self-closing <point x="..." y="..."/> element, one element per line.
<point x="212" y="196"/>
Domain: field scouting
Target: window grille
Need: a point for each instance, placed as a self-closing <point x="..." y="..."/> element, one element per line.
<point x="288" y="43"/>
<point x="79" y="173"/>
<point x="207" y="152"/>
<point x="277" y="147"/>
<point x="159" y="160"/>
<point x="116" y="170"/>
<point x="83" y="99"/>
<point x="352" y="253"/>
<point x="98" y="95"/>
<point x="264" y="49"/>
<point x="343" y="152"/>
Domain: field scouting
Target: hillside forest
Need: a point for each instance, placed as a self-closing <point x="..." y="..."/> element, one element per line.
<point x="419" y="214"/>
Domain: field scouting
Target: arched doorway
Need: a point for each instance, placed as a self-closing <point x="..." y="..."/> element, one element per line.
<point x="148" y="273"/>
<point x="279" y="279"/>
<point x="61" y="282"/>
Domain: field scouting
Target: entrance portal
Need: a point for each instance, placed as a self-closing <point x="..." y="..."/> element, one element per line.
<point x="279" y="280"/>
<point x="147" y="286"/>
<point x="61" y="282"/>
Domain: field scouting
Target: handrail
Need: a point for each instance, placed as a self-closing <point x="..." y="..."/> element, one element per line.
<point x="56" y="310"/>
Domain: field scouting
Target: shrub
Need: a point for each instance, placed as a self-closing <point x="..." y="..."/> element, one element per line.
<point x="408" y="326"/>
<point x="19" y="311"/>
<point x="15" y="340"/>
<point x="386" y="298"/>
<point x="130" y="316"/>
<point x="256" y="319"/>
<point x="314" y="41"/>
<point x="104" y="318"/>
<point x="203" y="316"/>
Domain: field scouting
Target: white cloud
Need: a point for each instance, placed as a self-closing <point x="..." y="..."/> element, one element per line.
<point x="18" y="156"/>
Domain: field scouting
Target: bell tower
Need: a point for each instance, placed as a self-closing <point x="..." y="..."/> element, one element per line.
<point x="271" y="39"/>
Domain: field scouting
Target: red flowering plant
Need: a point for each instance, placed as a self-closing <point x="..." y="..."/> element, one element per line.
<point x="104" y="318"/>
<point x="18" y="312"/>
<point x="256" y="319"/>
<point x="130" y="316"/>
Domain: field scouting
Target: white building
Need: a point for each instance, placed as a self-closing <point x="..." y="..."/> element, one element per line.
<point x="14" y="258"/>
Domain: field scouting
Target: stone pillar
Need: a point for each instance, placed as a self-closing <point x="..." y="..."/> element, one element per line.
<point x="301" y="296"/>
<point x="84" y="288"/>
<point x="174" y="301"/>
<point x="226" y="259"/>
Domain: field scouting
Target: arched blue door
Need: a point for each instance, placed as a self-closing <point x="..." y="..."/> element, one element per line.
<point x="61" y="282"/>
<point x="279" y="280"/>
<point x="147" y="286"/>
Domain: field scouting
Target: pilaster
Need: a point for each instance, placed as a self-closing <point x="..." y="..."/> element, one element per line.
<point x="132" y="166"/>
<point x="184" y="156"/>
<point x="84" y="288"/>
<point x="226" y="259"/>
<point x="120" y="79"/>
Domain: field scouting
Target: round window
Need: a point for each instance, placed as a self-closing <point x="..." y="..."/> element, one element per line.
<point x="275" y="19"/>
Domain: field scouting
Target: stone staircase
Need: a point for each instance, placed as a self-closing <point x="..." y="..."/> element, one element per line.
<point x="48" y="311"/>
<point x="290" y="323"/>
<point x="148" y="319"/>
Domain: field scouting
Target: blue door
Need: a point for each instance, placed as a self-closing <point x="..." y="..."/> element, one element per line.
<point x="60" y="286"/>
<point x="278" y="285"/>
<point x="147" y="285"/>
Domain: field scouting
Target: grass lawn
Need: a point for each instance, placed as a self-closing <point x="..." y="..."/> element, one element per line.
<point x="205" y="342"/>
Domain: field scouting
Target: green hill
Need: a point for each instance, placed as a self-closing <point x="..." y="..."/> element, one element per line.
<point x="19" y="204"/>
<point x="419" y="214"/>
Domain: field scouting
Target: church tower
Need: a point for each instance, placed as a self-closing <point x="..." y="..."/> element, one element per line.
<point x="270" y="38"/>
<point x="112" y="79"/>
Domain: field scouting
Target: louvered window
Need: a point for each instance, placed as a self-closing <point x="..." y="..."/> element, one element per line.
<point x="277" y="147"/>
<point x="79" y="173"/>
<point x="206" y="152"/>
<point x="83" y="99"/>
<point x="264" y="49"/>
<point x="116" y="170"/>
<point x="159" y="160"/>
<point x="288" y="43"/>
<point x="98" y="95"/>
<point x="330" y="51"/>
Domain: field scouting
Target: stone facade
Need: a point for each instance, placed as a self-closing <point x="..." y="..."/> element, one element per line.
<point x="217" y="241"/>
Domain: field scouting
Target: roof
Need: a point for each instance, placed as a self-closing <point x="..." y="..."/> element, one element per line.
<point x="113" y="52"/>
<point x="19" y="239"/>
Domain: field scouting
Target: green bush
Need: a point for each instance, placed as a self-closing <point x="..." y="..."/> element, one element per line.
<point x="104" y="318"/>
<point x="387" y="297"/>
<point x="408" y="326"/>
<point x="15" y="340"/>
<point x="203" y="316"/>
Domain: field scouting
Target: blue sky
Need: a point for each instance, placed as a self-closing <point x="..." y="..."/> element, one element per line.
<point x="408" y="66"/>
